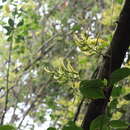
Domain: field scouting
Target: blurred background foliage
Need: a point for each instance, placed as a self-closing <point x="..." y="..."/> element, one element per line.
<point x="46" y="48"/>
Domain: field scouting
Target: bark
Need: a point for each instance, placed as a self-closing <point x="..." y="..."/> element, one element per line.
<point x="112" y="60"/>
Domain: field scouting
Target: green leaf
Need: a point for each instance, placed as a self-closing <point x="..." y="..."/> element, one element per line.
<point x="119" y="74"/>
<point x="9" y="38"/>
<point x="8" y="29"/>
<point x="92" y="83"/>
<point x="92" y="93"/>
<point x="127" y="97"/>
<point x="118" y="124"/>
<point x="51" y="128"/>
<point x="19" y="38"/>
<point x="20" y="23"/>
<point x="116" y="91"/>
<point x="7" y="127"/>
<point x="120" y="1"/>
<point x="15" y="12"/>
<point x="81" y="73"/>
<point x="11" y="22"/>
<point x="100" y="123"/>
<point x="71" y="126"/>
<point x="92" y="89"/>
<point x="76" y="27"/>
<point x="113" y="104"/>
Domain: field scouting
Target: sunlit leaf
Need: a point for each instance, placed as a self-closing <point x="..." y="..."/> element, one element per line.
<point x="120" y="1"/>
<point x="7" y="127"/>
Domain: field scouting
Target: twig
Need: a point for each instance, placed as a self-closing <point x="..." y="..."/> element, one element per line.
<point x="39" y="57"/>
<point x="25" y="114"/>
<point x="38" y="50"/>
<point x="33" y="103"/>
<point x="78" y="110"/>
<point x="7" y="84"/>
<point x="13" y="115"/>
<point x="35" y="60"/>
<point x="45" y="44"/>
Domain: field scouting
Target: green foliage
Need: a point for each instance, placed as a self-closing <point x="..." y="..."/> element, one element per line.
<point x="71" y="126"/>
<point x="11" y="22"/>
<point x="119" y="74"/>
<point x="118" y="124"/>
<point x="100" y="123"/>
<point x="92" y="89"/>
<point x="113" y="104"/>
<point x="51" y="128"/>
<point x="56" y="46"/>
<point x="116" y="91"/>
<point x="76" y="28"/>
<point x="127" y="97"/>
<point x="7" y="127"/>
<point x="8" y="29"/>
<point x="120" y="1"/>
<point x="20" y="23"/>
<point x="113" y="10"/>
<point x="90" y="46"/>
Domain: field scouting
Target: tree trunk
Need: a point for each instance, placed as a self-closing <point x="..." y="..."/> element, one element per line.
<point x="113" y="60"/>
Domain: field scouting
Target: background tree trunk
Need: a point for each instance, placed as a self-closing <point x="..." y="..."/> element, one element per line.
<point x="113" y="60"/>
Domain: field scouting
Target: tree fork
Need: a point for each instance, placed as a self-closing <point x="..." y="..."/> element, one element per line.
<point x="113" y="60"/>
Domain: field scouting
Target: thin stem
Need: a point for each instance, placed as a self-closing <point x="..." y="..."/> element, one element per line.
<point x="78" y="110"/>
<point x="7" y="83"/>
<point x="13" y="115"/>
<point x="32" y="105"/>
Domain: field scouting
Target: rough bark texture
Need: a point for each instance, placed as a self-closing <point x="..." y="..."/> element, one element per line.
<point x="112" y="61"/>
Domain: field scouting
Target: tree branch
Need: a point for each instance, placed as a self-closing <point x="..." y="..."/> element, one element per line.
<point x="117" y="50"/>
